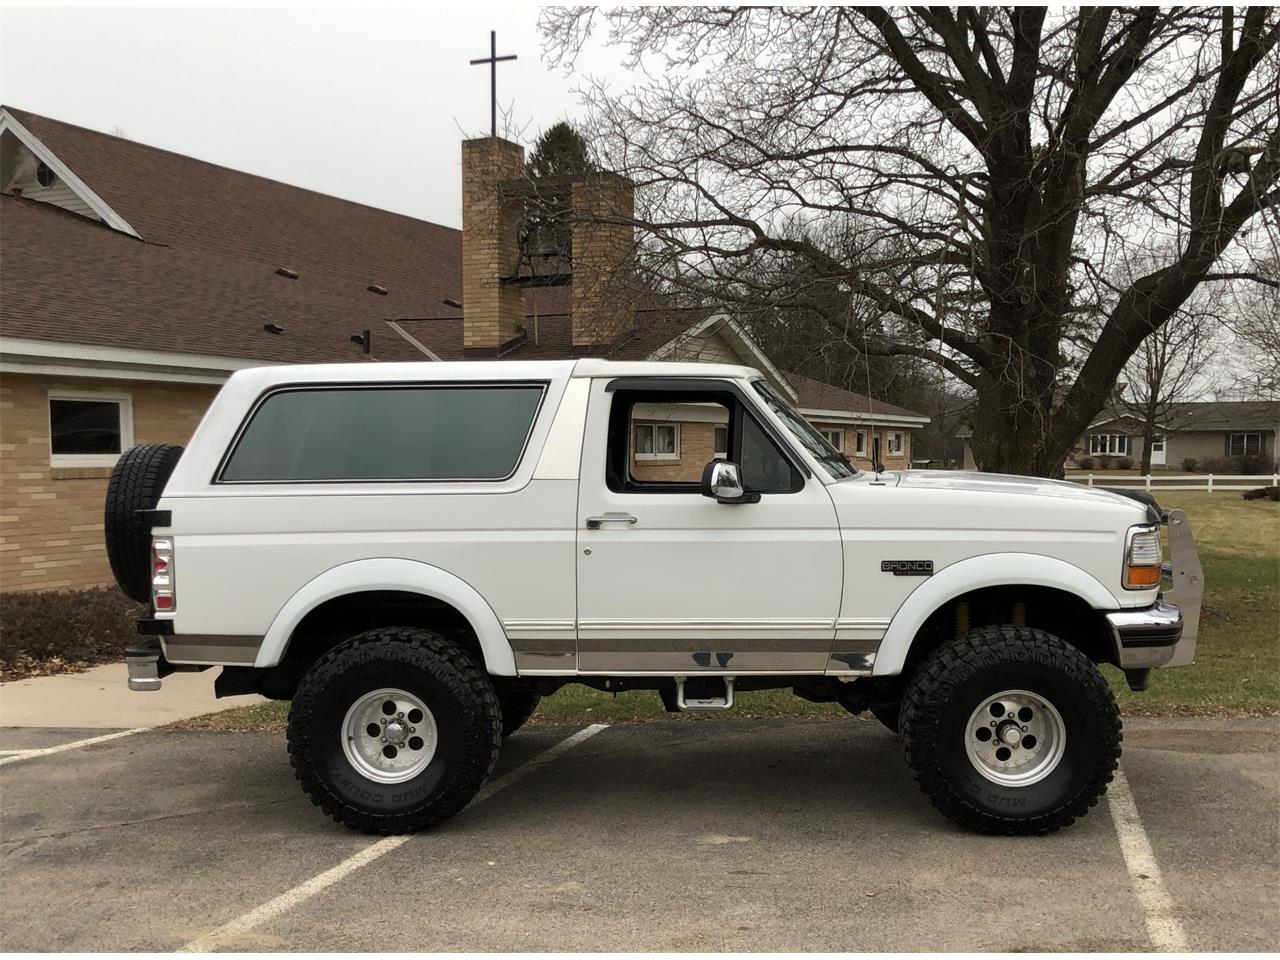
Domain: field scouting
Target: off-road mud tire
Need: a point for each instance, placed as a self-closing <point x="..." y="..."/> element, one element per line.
<point x="954" y="679"/>
<point x="462" y="701"/>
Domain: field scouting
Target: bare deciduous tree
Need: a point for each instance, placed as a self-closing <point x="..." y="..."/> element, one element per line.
<point x="1166" y="370"/>
<point x="965" y="175"/>
<point x="1254" y="319"/>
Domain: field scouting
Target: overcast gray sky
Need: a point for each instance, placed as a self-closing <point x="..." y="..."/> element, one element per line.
<point x="367" y="104"/>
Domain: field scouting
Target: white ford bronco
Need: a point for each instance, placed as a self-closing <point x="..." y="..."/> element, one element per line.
<point x="414" y="554"/>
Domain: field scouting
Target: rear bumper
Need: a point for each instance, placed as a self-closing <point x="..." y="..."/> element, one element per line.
<point x="1164" y="634"/>
<point x="147" y="666"/>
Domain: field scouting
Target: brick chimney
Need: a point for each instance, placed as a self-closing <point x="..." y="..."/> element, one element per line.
<point x="491" y="309"/>
<point x="604" y="280"/>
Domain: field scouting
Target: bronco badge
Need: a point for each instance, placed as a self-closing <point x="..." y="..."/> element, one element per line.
<point x="907" y="568"/>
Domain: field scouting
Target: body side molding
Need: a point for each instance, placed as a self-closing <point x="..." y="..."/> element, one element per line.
<point x="975" y="573"/>
<point x="411" y="576"/>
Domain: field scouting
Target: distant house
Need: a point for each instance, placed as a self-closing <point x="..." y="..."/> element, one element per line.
<point x="1193" y="431"/>
<point x="136" y="280"/>
<point x="866" y="431"/>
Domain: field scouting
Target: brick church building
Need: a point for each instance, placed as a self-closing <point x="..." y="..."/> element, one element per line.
<point x="136" y="280"/>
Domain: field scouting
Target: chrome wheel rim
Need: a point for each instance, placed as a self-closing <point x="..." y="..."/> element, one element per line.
<point x="389" y="735"/>
<point x="1015" y="738"/>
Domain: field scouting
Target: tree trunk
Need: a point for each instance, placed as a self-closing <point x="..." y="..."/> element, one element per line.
<point x="1148" y="435"/>
<point x="1012" y="433"/>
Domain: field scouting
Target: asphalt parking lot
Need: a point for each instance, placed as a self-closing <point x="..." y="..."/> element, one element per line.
<point x="730" y="834"/>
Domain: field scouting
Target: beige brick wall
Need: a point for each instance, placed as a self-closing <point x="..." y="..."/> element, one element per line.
<point x="603" y="259"/>
<point x="697" y="448"/>
<point x="51" y="517"/>
<point x="891" y="461"/>
<point x="491" y="310"/>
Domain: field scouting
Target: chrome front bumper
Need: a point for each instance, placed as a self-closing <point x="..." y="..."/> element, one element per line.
<point x="1164" y="634"/>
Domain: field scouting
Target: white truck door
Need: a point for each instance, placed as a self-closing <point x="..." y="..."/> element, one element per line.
<point x="673" y="582"/>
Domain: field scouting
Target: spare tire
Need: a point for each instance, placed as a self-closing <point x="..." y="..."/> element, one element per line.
<point x="136" y="484"/>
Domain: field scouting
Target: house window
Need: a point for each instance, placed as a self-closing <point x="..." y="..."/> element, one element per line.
<point x="1244" y="444"/>
<point x="1109" y="444"/>
<point x="657" y="441"/>
<point x="44" y="175"/>
<point x="721" y="443"/>
<point x="860" y="442"/>
<point x="88" y="429"/>
<point x="896" y="441"/>
<point x="1157" y="444"/>
<point x="834" y="437"/>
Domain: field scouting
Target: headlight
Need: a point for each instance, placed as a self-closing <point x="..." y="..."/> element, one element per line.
<point x="1142" y="558"/>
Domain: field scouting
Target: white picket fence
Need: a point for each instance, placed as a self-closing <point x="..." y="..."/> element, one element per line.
<point x="1185" y="481"/>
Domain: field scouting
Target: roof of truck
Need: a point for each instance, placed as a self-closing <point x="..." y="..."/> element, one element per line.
<point x="480" y="370"/>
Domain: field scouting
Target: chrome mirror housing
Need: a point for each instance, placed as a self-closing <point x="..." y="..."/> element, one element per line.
<point x="722" y="481"/>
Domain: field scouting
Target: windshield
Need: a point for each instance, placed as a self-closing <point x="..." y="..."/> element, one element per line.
<point x="832" y="460"/>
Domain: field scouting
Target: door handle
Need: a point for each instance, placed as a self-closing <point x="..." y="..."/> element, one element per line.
<point x="594" y="523"/>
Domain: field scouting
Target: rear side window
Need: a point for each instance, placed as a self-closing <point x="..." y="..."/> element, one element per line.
<point x="336" y="434"/>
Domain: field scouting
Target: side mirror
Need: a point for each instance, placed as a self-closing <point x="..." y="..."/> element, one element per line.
<point x="722" y="481"/>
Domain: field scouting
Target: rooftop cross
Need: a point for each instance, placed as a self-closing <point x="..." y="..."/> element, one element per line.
<point x="493" y="60"/>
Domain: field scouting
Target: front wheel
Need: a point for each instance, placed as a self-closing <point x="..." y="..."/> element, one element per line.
<point x="394" y="730"/>
<point x="1010" y="730"/>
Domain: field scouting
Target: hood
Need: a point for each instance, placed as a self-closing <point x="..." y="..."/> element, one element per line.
<point x="971" y="480"/>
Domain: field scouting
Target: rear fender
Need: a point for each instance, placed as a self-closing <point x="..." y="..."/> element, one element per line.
<point x="409" y="576"/>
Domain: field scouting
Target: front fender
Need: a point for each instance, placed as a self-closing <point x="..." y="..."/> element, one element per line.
<point x="409" y="576"/>
<point x="989" y="570"/>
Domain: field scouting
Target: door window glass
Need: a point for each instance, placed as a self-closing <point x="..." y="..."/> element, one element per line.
<point x="661" y="441"/>
<point x="672" y="440"/>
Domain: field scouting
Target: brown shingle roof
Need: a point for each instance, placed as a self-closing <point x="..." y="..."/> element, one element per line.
<point x="202" y="279"/>
<point x="816" y="395"/>
<point x="1204" y="415"/>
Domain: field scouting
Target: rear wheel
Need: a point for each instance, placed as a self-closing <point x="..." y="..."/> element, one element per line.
<point x="1010" y="730"/>
<point x="394" y="730"/>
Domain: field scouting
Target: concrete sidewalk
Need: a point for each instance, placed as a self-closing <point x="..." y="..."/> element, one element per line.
<point x="100" y="698"/>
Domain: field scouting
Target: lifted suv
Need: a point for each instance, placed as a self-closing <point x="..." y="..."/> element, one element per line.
<point x="415" y="553"/>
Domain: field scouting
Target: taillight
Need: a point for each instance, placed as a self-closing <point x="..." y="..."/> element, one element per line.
<point x="162" y="595"/>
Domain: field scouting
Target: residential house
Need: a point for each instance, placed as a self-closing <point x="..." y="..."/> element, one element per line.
<point x="136" y="280"/>
<point x="1190" y="435"/>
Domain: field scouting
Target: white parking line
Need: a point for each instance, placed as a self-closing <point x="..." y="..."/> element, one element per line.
<point x="1163" y="929"/>
<point x="74" y="745"/>
<point x="309" y="888"/>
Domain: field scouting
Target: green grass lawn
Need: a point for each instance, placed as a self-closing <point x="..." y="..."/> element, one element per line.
<point x="1237" y="668"/>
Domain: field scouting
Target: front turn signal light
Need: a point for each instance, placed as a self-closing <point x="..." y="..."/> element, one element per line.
<point x="1142" y="560"/>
